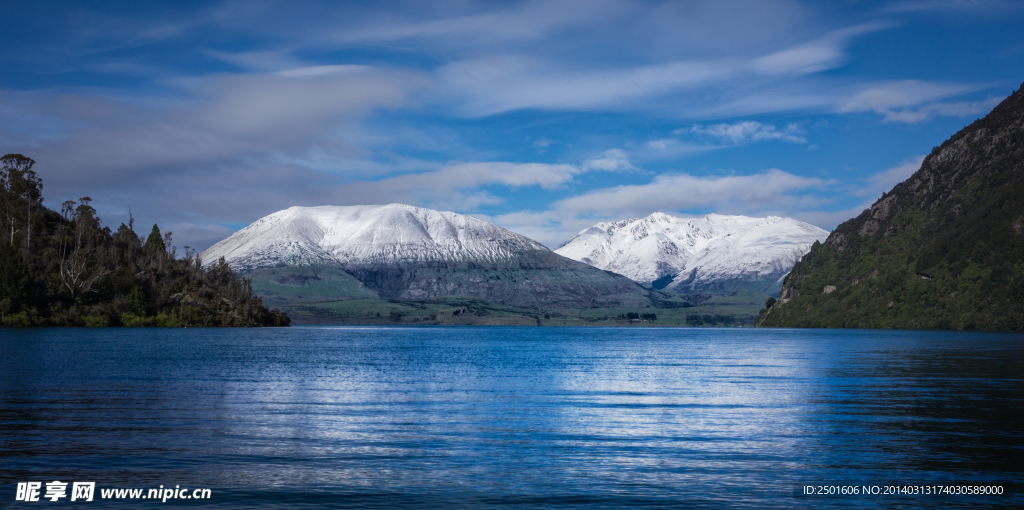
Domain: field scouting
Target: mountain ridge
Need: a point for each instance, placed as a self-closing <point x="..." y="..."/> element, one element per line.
<point x="709" y="254"/>
<point x="401" y="252"/>
<point x="354" y="234"/>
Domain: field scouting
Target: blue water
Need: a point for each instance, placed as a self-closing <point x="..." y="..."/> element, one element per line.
<point x="476" y="417"/>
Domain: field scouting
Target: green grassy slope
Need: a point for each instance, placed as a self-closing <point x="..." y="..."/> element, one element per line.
<point x="736" y="309"/>
<point x="290" y="285"/>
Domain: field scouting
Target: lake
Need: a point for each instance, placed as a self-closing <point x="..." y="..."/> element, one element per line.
<point x="530" y="417"/>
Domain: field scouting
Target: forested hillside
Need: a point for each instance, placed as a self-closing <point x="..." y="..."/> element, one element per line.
<point x="943" y="249"/>
<point x="67" y="269"/>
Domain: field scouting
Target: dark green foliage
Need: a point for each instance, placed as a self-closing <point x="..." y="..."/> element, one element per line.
<point x="13" y="279"/>
<point x="154" y="242"/>
<point x="72" y="271"/>
<point x="711" y="320"/>
<point x="944" y="249"/>
<point x="136" y="302"/>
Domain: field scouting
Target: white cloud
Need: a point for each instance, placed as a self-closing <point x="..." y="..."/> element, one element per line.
<point x="959" y="7"/>
<point x="719" y="136"/>
<point x="928" y="111"/>
<point x="449" y="184"/>
<point x="542" y="143"/>
<point x="523" y="22"/>
<point x="612" y="160"/>
<point x="321" y="71"/>
<point x="761" y="98"/>
<point x="472" y="175"/>
<point x="826" y="52"/>
<point x="227" y="119"/>
<point x="673" y="147"/>
<point x="750" y="131"/>
<point x="260" y="61"/>
<point x="894" y="100"/>
<point x="883" y="97"/>
<point x="680" y="192"/>
<point x="499" y="83"/>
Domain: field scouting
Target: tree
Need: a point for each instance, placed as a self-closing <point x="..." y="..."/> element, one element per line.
<point x="21" y="191"/>
<point x="13" y="278"/>
<point x="136" y="302"/>
<point x="155" y="242"/>
<point x="79" y="268"/>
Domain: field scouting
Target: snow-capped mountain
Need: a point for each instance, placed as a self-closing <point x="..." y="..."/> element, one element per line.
<point x="714" y="253"/>
<point x="367" y="234"/>
<point x="398" y="251"/>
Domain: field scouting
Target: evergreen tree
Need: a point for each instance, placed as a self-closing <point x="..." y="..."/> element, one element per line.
<point x="155" y="243"/>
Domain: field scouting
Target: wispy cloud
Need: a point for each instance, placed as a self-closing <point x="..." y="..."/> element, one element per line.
<point x="499" y="83"/>
<point x="894" y="100"/>
<point x="260" y="61"/>
<point x="457" y="180"/>
<point x="515" y="22"/>
<point x="970" y="7"/>
<point x="228" y="118"/>
<point x="750" y="131"/>
<point x="542" y="143"/>
<point x="821" y="54"/>
<point x="929" y="111"/>
<point x="611" y="160"/>
<point x="680" y="192"/>
<point x="700" y="138"/>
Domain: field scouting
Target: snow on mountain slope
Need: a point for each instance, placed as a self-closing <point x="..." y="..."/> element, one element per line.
<point x="400" y="252"/>
<point x="696" y="255"/>
<point x="367" y="234"/>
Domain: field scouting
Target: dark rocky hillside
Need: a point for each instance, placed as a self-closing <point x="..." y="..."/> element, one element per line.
<point x="943" y="249"/>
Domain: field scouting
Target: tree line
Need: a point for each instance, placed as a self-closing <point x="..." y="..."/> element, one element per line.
<point x="67" y="269"/>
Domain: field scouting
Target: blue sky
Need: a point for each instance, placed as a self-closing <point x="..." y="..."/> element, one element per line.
<point x="544" y="117"/>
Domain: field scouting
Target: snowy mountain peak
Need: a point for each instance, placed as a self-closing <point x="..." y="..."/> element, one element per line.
<point x="393" y="233"/>
<point x="696" y="254"/>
